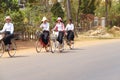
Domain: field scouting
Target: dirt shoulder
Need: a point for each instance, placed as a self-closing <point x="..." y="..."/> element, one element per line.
<point x="93" y="42"/>
<point x="30" y="45"/>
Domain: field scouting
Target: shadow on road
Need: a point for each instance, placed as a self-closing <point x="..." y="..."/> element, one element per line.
<point x="69" y="51"/>
<point x="19" y="56"/>
<point x="77" y="49"/>
<point x="15" y="57"/>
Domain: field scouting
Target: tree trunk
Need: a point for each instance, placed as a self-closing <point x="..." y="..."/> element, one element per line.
<point x="78" y="11"/>
<point x="106" y="12"/>
<point x="68" y="9"/>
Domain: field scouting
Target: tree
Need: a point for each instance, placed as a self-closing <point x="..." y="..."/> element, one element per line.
<point x="85" y="7"/>
<point x="9" y="5"/>
<point x="57" y="10"/>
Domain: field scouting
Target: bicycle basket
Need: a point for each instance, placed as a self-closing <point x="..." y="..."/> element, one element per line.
<point x="53" y="36"/>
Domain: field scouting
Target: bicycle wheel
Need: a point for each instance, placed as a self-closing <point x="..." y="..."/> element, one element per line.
<point x="61" y="47"/>
<point x="72" y="45"/>
<point x="53" y="45"/>
<point x="12" y="49"/>
<point x="1" y="48"/>
<point x="38" y="46"/>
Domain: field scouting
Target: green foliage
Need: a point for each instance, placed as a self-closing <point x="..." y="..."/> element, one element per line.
<point x="87" y="6"/>
<point x="100" y="11"/>
<point x="17" y="19"/>
<point x="33" y="1"/>
<point x="74" y="6"/>
<point x="114" y="14"/>
<point x="6" y="5"/>
<point x="1" y="21"/>
<point x="57" y="10"/>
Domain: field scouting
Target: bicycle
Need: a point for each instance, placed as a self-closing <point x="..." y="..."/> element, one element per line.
<point x="10" y="48"/>
<point x="55" y="44"/>
<point x="40" y="44"/>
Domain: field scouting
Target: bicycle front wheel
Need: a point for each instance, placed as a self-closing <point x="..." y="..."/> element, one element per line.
<point x="38" y="46"/>
<point x="1" y="48"/>
<point x="53" y="46"/>
<point x="12" y="49"/>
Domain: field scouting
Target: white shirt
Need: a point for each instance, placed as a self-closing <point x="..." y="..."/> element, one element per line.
<point x="59" y="27"/>
<point x="8" y="27"/>
<point x="69" y="27"/>
<point x="45" y="26"/>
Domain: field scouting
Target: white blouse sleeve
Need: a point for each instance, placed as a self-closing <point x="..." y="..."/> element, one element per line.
<point x="48" y="26"/>
<point x="12" y="29"/>
<point x="72" y="26"/>
<point x="66" y="27"/>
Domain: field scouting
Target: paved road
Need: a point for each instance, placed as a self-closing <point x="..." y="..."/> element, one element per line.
<point x="101" y="62"/>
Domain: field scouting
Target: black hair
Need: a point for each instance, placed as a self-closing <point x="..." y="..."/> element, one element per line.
<point x="70" y="20"/>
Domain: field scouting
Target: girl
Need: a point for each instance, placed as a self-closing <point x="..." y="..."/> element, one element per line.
<point x="8" y="29"/>
<point x="60" y="28"/>
<point x="70" y="31"/>
<point x="45" y="28"/>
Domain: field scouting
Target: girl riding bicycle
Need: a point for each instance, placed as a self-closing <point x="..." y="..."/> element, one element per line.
<point x="70" y="32"/>
<point x="8" y="29"/>
<point x="59" y="27"/>
<point x="45" y="31"/>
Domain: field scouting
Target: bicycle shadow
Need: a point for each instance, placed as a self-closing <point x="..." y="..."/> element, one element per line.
<point x="72" y="50"/>
<point x="19" y="56"/>
<point x="76" y="49"/>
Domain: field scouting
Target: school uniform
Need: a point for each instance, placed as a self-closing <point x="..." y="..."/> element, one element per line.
<point x="45" y="34"/>
<point x="60" y="28"/>
<point x="70" y="32"/>
<point x="8" y="28"/>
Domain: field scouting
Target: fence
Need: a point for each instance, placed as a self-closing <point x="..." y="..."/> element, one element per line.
<point x="26" y="36"/>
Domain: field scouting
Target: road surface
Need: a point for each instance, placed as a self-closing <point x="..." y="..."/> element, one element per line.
<point x="98" y="62"/>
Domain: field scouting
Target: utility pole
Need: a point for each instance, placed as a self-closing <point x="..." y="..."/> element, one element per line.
<point x="68" y="9"/>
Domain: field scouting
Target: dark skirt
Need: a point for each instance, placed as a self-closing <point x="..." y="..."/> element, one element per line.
<point x="60" y="37"/>
<point x="70" y="35"/>
<point x="7" y="38"/>
<point x="45" y="37"/>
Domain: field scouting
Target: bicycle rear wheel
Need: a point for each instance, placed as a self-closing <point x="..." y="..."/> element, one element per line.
<point x="1" y="48"/>
<point x="38" y="46"/>
<point x="12" y="49"/>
